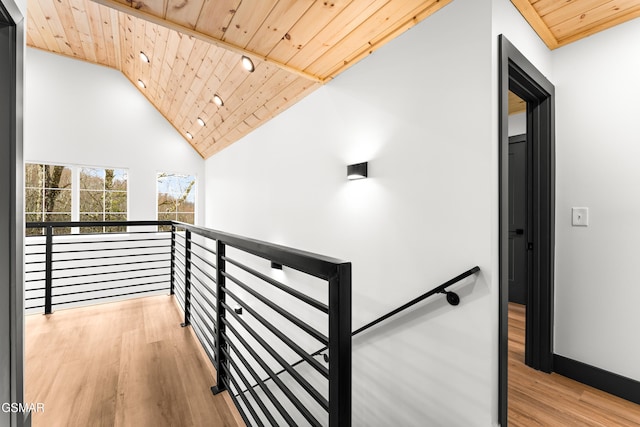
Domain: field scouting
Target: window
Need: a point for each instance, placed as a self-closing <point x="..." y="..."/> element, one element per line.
<point x="47" y="194"/>
<point x="52" y="194"/>
<point x="176" y="197"/>
<point x="103" y="197"/>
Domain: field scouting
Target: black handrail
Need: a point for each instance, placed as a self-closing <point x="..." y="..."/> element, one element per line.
<point x="452" y="298"/>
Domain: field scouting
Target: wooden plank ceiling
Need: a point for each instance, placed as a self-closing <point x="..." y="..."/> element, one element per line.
<point x="195" y="48"/>
<point x="559" y="22"/>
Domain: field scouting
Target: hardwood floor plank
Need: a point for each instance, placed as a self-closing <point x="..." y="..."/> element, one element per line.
<point x="539" y="399"/>
<point x="121" y="364"/>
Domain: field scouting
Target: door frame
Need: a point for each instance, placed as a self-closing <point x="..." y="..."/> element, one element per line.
<point x="12" y="212"/>
<point x="518" y="74"/>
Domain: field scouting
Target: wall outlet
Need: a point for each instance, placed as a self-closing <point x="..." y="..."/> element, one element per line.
<point x="579" y="217"/>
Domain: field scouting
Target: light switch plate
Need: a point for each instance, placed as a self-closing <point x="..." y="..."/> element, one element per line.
<point x="579" y="217"/>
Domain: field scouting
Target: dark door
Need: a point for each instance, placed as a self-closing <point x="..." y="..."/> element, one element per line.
<point x="518" y="219"/>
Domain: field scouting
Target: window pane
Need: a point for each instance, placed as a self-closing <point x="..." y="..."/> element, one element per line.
<point x="57" y="176"/>
<point x="34" y="217"/>
<point x="119" y="180"/>
<point x="57" y="200"/>
<point x="33" y="175"/>
<point x="115" y="217"/>
<point x="91" y="201"/>
<point x="33" y="201"/>
<point x="115" y="201"/>
<point x="185" y="217"/>
<point x="176" y="196"/>
<point x="166" y="216"/>
<point x="92" y="179"/>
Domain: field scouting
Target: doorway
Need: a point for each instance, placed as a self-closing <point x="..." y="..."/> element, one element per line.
<point x="536" y="232"/>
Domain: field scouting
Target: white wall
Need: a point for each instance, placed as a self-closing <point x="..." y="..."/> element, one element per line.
<point x="598" y="147"/>
<point x="86" y="114"/>
<point x="424" y="215"/>
<point x="517" y="124"/>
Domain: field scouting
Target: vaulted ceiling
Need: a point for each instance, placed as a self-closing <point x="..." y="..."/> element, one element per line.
<point x="560" y="22"/>
<point x="195" y="48"/>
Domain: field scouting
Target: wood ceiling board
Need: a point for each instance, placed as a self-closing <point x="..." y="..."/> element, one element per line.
<point x="373" y="33"/>
<point x="177" y="71"/>
<point x="153" y="7"/>
<point x="140" y="14"/>
<point x="245" y="22"/>
<point x="215" y="17"/>
<point x="62" y="28"/>
<point x="601" y="14"/>
<point x="283" y="16"/>
<point x="189" y="76"/>
<point x="183" y="12"/>
<point x="41" y="37"/>
<point x="559" y="23"/>
<point x="533" y="18"/>
<point x="604" y="25"/>
<point x="347" y="21"/>
<point x="317" y="17"/>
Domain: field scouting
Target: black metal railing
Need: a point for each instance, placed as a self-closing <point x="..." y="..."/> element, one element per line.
<point x="254" y="322"/>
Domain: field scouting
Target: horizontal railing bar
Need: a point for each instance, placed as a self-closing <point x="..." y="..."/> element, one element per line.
<point x="314" y="264"/>
<point x="253" y="393"/>
<point x="302" y="297"/>
<point x="200" y="319"/>
<point x="303" y="382"/>
<point x="110" y="265"/>
<point x="436" y="290"/>
<point x="204" y="272"/>
<point x="275" y="378"/>
<point x="35" y="271"/>
<point x="34" y="307"/>
<point x="32" y="298"/>
<point x="181" y="253"/>
<point x="34" y="289"/>
<point x="278" y="333"/>
<point x="108" y="272"/>
<point x="86" y="224"/>
<point x="179" y="268"/>
<point x="95" y="282"/>
<point x="33" y="262"/>
<point x="211" y="251"/>
<point x="34" y="244"/>
<point x="204" y="313"/>
<point x="108" y="257"/>
<point x="203" y="325"/>
<point x="35" y="253"/>
<point x="290" y="317"/>
<point x="260" y="383"/>
<point x="34" y="280"/>
<point x="110" y="296"/>
<point x="89" y="242"/>
<point x="204" y="297"/>
<point x="209" y="263"/>
<point x="179" y="243"/>
<point x="108" y="289"/>
<point x="111" y="249"/>
<point x="200" y="336"/>
<point x="226" y="380"/>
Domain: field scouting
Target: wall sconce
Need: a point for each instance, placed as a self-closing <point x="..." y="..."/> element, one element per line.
<point x="276" y="266"/>
<point x="357" y="171"/>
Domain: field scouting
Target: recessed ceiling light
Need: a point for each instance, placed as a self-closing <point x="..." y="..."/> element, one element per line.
<point x="200" y="121"/>
<point x="218" y="100"/>
<point x="141" y="84"/>
<point x="143" y="57"/>
<point x="247" y="63"/>
<point x="189" y="135"/>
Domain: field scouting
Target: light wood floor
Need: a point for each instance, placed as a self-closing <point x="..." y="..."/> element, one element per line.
<point x="121" y="364"/>
<point x="539" y="399"/>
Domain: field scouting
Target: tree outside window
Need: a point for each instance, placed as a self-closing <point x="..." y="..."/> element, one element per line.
<point x="47" y="195"/>
<point x="176" y="197"/>
<point x="103" y="197"/>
